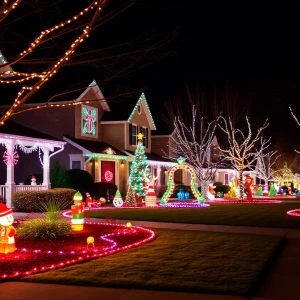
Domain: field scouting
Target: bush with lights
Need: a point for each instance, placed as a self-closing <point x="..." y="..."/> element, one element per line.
<point x="30" y="201"/>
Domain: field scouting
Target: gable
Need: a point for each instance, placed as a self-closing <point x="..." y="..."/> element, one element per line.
<point x="141" y="112"/>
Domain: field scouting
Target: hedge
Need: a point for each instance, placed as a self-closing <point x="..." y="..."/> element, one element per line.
<point x="29" y="201"/>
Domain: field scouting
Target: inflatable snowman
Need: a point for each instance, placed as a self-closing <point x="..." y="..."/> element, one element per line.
<point x="33" y="180"/>
<point x="211" y="193"/>
<point x="7" y="231"/>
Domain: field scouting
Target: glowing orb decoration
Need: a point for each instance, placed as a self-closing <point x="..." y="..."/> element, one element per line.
<point x="118" y="202"/>
<point x="128" y="225"/>
<point x="90" y="241"/>
<point x="108" y="175"/>
<point x="10" y="157"/>
<point x="102" y="200"/>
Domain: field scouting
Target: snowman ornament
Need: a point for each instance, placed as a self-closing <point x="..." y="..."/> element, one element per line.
<point x="7" y="231"/>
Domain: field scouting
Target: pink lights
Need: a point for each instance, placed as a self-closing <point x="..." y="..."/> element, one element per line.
<point x="223" y="201"/>
<point x="48" y="255"/>
<point x="294" y="213"/>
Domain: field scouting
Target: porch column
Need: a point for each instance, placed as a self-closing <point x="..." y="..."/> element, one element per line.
<point x="46" y="169"/>
<point x="10" y="175"/>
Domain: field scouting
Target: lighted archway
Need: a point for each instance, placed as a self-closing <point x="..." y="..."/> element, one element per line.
<point x="171" y="185"/>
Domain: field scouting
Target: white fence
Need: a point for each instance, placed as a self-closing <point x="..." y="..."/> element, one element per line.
<point x="19" y="188"/>
<point x="3" y="191"/>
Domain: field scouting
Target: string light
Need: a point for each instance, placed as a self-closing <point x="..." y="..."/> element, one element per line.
<point x="21" y="98"/>
<point x="294" y="213"/>
<point x="243" y="151"/>
<point x="85" y="255"/>
<point x="223" y="201"/>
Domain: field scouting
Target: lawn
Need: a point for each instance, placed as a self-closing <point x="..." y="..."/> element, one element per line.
<point x="178" y="260"/>
<point x="261" y="215"/>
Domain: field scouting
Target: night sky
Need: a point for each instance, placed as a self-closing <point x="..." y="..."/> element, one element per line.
<point x="250" y="47"/>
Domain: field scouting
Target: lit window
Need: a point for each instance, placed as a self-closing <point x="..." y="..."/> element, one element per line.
<point x="139" y="109"/>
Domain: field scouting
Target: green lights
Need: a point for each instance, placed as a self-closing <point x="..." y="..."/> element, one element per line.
<point x="89" y="117"/>
<point x="108" y="156"/>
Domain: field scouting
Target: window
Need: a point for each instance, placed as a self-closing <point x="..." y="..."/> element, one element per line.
<point x="139" y="109"/>
<point x="144" y="131"/>
<point x="76" y="164"/>
<point x="226" y="178"/>
<point x="89" y="121"/>
<point x="134" y="135"/>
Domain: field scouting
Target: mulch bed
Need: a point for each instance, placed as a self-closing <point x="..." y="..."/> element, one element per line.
<point x="39" y="255"/>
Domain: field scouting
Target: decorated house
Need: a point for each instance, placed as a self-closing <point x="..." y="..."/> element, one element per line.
<point x="86" y="133"/>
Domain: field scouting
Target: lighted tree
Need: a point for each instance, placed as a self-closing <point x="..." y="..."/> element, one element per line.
<point x="196" y="141"/>
<point x="243" y="149"/>
<point x="259" y="191"/>
<point x="272" y="191"/>
<point x="297" y="121"/>
<point x="265" y="166"/>
<point x="130" y="197"/>
<point x="285" y="175"/>
<point x="66" y="39"/>
<point x="138" y="168"/>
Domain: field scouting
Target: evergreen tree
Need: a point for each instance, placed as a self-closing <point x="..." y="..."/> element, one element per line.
<point x="272" y="191"/>
<point x="259" y="191"/>
<point x="59" y="177"/>
<point x="138" y="168"/>
<point x="130" y="197"/>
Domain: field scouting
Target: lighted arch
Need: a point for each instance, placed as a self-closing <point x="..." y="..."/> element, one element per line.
<point x="171" y="185"/>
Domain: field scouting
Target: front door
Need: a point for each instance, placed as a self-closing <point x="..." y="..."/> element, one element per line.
<point x="108" y="171"/>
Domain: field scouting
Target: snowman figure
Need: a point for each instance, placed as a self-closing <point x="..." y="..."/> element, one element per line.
<point x="7" y="231"/>
<point x="211" y="192"/>
<point x="33" y="180"/>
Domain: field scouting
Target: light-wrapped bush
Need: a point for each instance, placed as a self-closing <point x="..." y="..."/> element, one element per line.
<point x="31" y="201"/>
<point x="50" y="225"/>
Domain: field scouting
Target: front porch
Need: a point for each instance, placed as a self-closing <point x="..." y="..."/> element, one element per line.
<point x="28" y="143"/>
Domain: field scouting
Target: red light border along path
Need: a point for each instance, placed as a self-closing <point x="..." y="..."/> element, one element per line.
<point x="294" y="212"/>
<point x="87" y="255"/>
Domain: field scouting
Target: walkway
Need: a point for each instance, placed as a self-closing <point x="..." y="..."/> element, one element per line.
<point x="281" y="283"/>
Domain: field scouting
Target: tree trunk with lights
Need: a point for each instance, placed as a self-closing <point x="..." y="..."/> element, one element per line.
<point x="241" y="185"/>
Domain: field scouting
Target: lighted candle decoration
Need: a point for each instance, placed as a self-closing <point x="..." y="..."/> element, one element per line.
<point x="77" y="212"/>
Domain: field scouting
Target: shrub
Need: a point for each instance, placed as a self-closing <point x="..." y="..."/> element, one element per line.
<point x="100" y="189"/>
<point x="29" y="201"/>
<point x="186" y="188"/>
<point x="221" y="188"/>
<point x="44" y="228"/>
<point x="50" y="225"/>
<point x="80" y="180"/>
<point x="59" y="177"/>
<point x="38" y="177"/>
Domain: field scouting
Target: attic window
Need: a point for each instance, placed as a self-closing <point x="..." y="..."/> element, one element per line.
<point x="139" y="109"/>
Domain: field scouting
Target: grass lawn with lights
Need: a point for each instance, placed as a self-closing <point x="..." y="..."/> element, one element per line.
<point x="178" y="260"/>
<point x="260" y="215"/>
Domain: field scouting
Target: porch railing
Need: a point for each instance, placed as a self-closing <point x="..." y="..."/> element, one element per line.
<point x="19" y="188"/>
<point x="3" y="190"/>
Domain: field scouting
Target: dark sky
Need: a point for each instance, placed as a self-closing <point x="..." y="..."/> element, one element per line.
<point x="251" y="47"/>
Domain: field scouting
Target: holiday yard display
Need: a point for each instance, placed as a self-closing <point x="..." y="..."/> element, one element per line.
<point x="88" y="200"/>
<point x="118" y="201"/>
<point x="138" y="168"/>
<point x="150" y="199"/>
<point x="33" y="180"/>
<point x="211" y="192"/>
<point x="7" y="231"/>
<point x="10" y="157"/>
<point x="249" y="181"/>
<point x="77" y="212"/>
<point x="272" y="192"/>
<point x="259" y="191"/>
<point x="130" y="197"/>
<point x="171" y="185"/>
<point x="265" y="190"/>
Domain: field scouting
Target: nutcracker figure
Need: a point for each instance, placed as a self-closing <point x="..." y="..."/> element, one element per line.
<point x="77" y="212"/>
<point x="7" y="231"/>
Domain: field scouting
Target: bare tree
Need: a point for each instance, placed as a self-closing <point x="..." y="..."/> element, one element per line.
<point x="243" y="149"/>
<point x="265" y="165"/>
<point x="297" y="121"/>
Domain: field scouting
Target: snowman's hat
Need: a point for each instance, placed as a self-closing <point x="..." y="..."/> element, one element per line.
<point x="4" y="210"/>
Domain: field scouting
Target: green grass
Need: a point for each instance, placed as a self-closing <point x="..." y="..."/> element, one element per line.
<point x="261" y="215"/>
<point x="178" y="260"/>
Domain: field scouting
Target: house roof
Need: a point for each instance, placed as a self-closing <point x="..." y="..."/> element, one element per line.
<point x="94" y="146"/>
<point x="13" y="128"/>
<point x="124" y="109"/>
<point x="153" y="156"/>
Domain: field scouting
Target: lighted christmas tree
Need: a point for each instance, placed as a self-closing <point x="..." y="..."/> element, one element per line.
<point x="272" y="191"/>
<point x="130" y="197"/>
<point x="259" y="191"/>
<point x="138" y="168"/>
